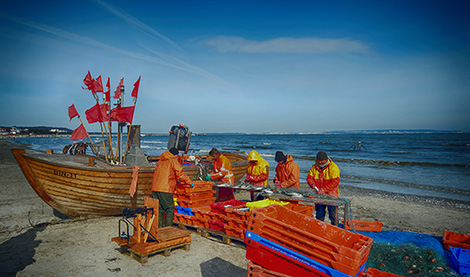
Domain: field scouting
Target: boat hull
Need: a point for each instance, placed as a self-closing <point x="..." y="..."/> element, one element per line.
<point x="76" y="187"/>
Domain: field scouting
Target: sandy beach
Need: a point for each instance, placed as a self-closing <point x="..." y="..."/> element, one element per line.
<point x="82" y="247"/>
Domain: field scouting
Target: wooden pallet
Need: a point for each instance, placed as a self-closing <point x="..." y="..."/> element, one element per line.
<point x="169" y="238"/>
<point x="205" y="232"/>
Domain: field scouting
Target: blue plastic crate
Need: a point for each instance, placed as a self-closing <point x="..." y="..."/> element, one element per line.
<point x="301" y="258"/>
<point x="184" y="210"/>
<point x="461" y="259"/>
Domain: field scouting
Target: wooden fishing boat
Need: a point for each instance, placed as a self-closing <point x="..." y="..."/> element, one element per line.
<point x="84" y="185"/>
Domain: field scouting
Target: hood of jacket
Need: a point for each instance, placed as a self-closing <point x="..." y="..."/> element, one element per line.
<point x="254" y="156"/>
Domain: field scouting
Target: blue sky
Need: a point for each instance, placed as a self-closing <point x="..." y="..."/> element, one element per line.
<point x="241" y="66"/>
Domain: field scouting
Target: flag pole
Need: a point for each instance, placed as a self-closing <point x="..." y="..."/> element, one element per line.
<point x="101" y="126"/>
<point x="130" y="128"/>
<point x="85" y="129"/>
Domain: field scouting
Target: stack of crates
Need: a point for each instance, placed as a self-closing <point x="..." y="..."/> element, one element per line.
<point x="188" y="198"/>
<point x="459" y="247"/>
<point x="219" y="218"/>
<point x="214" y="215"/>
<point x="288" y="242"/>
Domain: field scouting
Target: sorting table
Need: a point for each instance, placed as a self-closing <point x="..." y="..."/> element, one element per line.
<point x="311" y="201"/>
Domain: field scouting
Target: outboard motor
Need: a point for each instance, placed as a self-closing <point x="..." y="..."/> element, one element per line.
<point x="180" y="136"/>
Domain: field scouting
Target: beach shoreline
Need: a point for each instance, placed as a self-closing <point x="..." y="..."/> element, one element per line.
<point x="59" y="247"/>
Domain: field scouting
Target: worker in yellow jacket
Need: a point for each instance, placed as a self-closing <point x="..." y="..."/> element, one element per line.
<point x="324" y="178"/>
<point x="257" y="172"/>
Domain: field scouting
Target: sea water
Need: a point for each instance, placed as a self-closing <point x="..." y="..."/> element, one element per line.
<point x="425" y="164"/>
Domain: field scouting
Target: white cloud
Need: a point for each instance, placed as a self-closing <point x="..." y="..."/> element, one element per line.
<point x="286" y="45"/>
<point x="175" y="63"/>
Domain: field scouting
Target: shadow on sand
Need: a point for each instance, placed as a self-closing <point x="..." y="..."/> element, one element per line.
<point x="18" y="252"/>
<point x="218" y="267"/>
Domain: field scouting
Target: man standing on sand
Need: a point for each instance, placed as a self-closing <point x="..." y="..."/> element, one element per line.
<point x="222" y="173"/>
<point x="257" y="173"/>
<point x="287" y="171"/>
<point x="167" y="172"/>
<point x="324" y="178"/>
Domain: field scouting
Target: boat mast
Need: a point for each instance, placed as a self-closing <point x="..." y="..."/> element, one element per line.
<point x="120" y="128"/>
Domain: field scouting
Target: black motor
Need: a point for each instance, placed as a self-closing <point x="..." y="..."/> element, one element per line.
<point x="180" y="136"/>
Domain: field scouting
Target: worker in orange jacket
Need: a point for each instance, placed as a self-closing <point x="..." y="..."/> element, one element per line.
<point x="222" y="173"/>
<point x="167" y="173"/>
<point x="324" y="178"/>
<point x="287" y="171"/>
<point x="257" y="173"/>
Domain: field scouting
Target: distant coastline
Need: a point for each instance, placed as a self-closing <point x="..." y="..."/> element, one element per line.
<point x="44" y="131"/>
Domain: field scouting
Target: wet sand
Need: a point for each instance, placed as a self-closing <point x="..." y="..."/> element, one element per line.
<point x="83" y="247"/>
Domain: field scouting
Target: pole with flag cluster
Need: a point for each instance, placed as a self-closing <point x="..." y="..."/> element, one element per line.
<point x="97" y="113"/>
<point x="103" y="113"/>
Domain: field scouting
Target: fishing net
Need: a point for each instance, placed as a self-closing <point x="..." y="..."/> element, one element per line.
<point x="409" y="254"/>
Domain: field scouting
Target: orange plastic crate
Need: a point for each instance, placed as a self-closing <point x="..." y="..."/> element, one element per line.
<point x="328" y="244"/>
<point x="218" y="217"/>
<point x="254" y="270"/>
<point x="199" y="186"/>
<point x="195" y="195"/>
<point x="182" y="218"/>
<point x="303" y="209"/>
<point x="236" y="223"/>
<point x="364" y="225"/>
<point x="201" y="222"/>
<point x="234" y="232"/>
<point x="196" y="203"/>
<point x="202" y="212"/>
<point x="456" y="240"/>
<point x="241" y="212"/>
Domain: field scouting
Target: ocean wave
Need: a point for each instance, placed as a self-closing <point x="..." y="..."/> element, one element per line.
<point x="406" y="184"/>
<point x="399" y="152"/>
<point x="456" y="144"/>
<point x="385" y="162"/>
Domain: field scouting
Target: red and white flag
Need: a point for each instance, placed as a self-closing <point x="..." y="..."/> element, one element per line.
<point x="117" y="93"/>
<point x="108" y="93"/>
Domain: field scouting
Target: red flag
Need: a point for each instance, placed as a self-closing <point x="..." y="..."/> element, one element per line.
<point x="79" y="133"/>
<point x="136" y="88"/>
<point x="98" y="85"/>
<point x="104" y="112"/>
<point x="117" y="93"/>
<point x="89" y="82"/>
<point x="122" y="114"/>
<point x="72" y="112"/>
<point x="97" y="113"/>
<point x="108" y="96"/>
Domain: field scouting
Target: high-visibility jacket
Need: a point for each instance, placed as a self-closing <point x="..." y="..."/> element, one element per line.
<point x="288" y="173"/>
<point x="167" y="172"/>
<point x="326" y="179"/>
<point x="257" y="173"/>
<point x="223" y="170"/>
